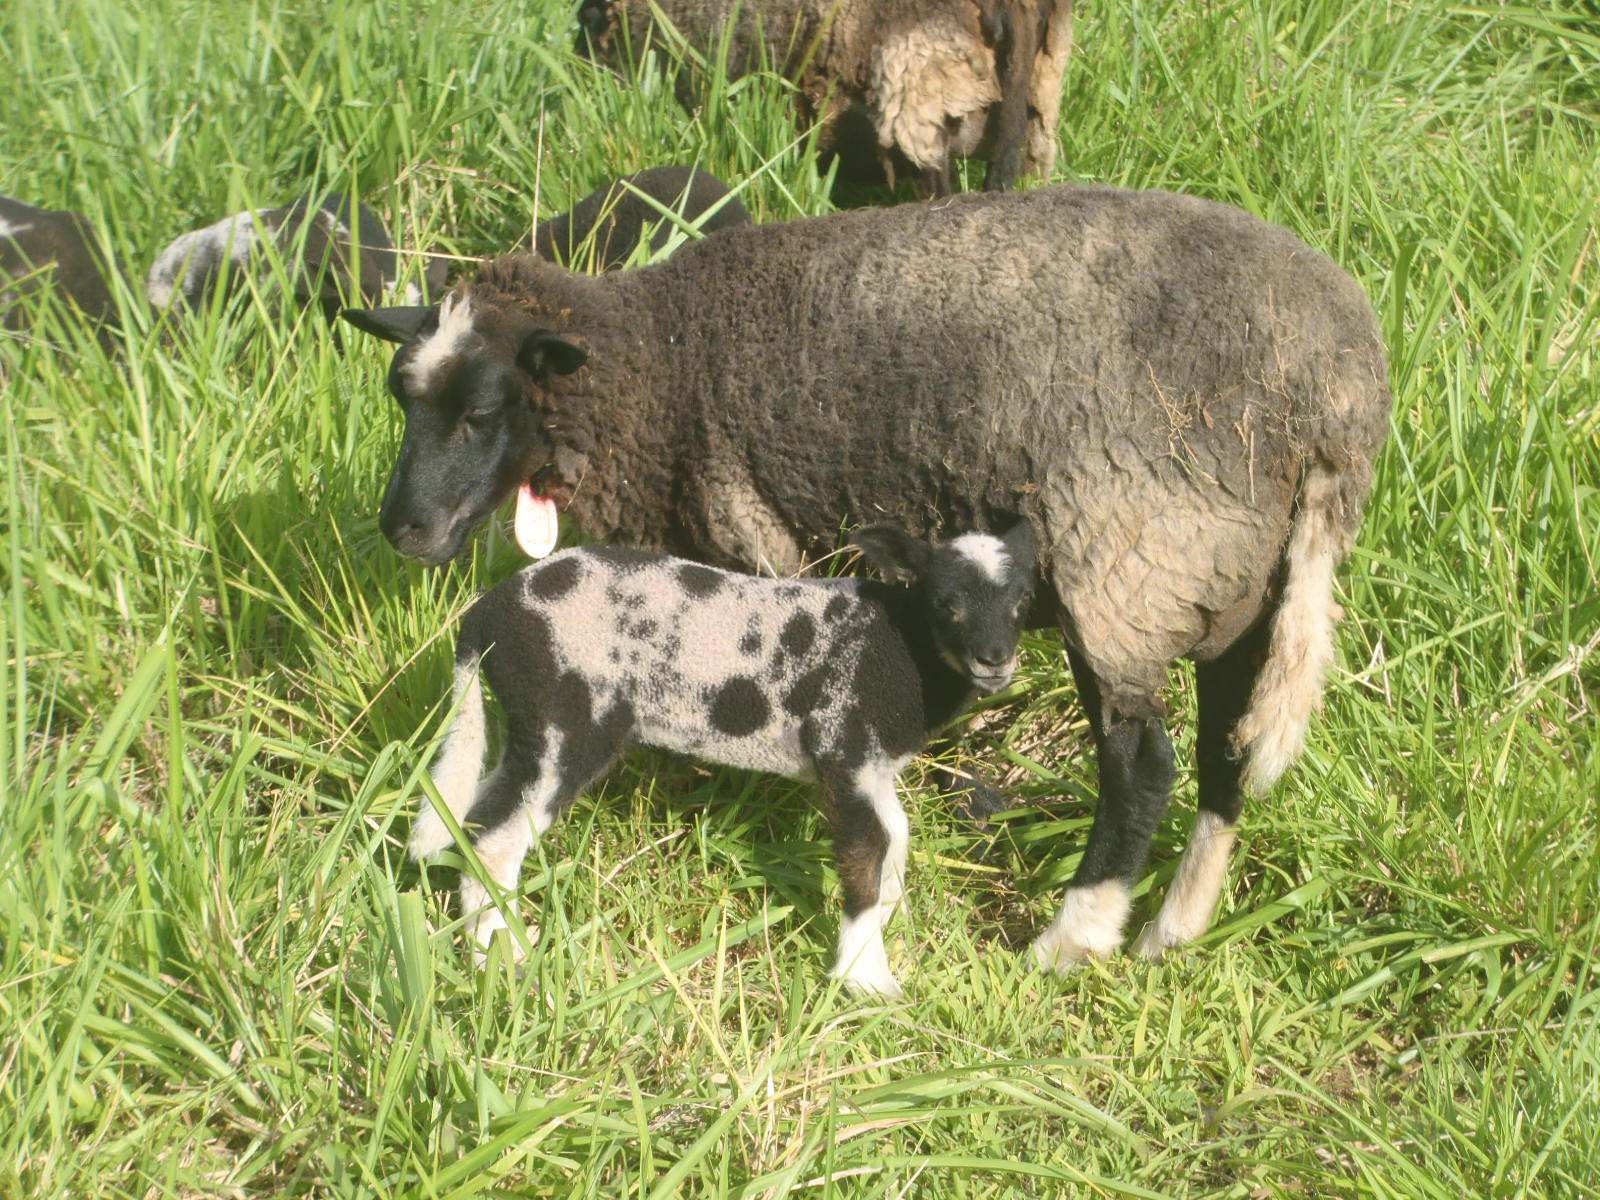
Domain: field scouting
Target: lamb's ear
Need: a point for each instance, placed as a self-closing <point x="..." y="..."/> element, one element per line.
<point x="391" y="324"/>
<point x="1022" y="543"/>
<point x="544" y="352"/>
<point x="899" y="557"/>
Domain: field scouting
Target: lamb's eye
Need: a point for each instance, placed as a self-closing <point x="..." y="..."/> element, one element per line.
<point x="479" y="417"/>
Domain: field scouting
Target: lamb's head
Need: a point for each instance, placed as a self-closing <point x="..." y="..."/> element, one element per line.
<point x="975" y="592"/>
<point x="469" y="378"/>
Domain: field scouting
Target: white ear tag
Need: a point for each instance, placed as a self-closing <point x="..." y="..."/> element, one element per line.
<point x="538" y="525"/>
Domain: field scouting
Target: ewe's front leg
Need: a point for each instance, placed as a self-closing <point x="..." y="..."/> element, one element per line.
<point x="1136" y="775"/>
<point x="871" y="834"/>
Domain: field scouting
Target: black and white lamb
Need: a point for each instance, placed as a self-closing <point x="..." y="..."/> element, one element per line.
<point x="899" y="86"/>
<point x="1184" y="399"/>
<point x="332" y="251"/>
<point x="837" y="680"/>
<point x="56" y="255"/>
<point x="608" y="224"/>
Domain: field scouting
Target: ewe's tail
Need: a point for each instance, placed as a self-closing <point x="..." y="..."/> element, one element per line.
<point x="460" y="763"/>
<point x="1272" y="732"/>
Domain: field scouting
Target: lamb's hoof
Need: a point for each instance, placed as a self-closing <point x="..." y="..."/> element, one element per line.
<point x="886" y="987"/>
<point x="972" y="797"/>
<point x="1058" y="951"/>
<point x="1155" y="943"/>
<point x="515" y="952"/>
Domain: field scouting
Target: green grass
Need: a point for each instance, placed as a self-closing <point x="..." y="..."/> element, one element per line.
<point x="219" y="974"/>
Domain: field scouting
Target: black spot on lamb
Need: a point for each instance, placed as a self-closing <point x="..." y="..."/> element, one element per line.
<point x="899" y="86"/>
<point x="330" y="253"/>
<point x="608" y="224"/>
<point x="1185" y="399"/>
<point x="56" y="257"/>
<point x="837" y="680"/>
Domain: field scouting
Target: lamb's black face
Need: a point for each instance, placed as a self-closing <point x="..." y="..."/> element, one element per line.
<point x="977" y="593"/>
<point x="978" y="590"/>
<point x="474" y="430"/>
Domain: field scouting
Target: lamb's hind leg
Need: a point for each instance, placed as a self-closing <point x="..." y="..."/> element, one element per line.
<point x="1223" y="686"/>
<point x="1136" y="773"/>
<point x="871" y="834"/>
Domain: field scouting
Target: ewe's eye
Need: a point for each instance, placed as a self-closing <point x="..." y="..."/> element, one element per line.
<point x="477" y="418"/>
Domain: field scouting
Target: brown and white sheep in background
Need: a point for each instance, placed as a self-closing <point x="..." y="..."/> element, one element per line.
<point x="1184" y="399"/>
<point x="899" y="86"/>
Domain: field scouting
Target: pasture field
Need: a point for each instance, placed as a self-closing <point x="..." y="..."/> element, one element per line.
<point x="221" y="976"/>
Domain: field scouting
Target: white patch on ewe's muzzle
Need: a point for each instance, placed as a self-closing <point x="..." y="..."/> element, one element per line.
<point x="440" y="346"/>
<point x="984" y="551"/>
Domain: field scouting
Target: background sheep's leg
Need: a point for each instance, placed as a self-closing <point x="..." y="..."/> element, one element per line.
<point x="871" y="834"/>
<point x="1224" y="686"/>
<point x="1136" y="773"/>
<point x="1015" y="38"/>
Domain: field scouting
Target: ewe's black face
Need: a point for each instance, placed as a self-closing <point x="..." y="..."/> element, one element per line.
<point x="473" y="430"/>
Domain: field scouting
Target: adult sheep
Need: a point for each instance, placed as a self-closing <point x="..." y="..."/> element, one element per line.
<point x="1185" y="400"/>
<point x="899" y="86"/>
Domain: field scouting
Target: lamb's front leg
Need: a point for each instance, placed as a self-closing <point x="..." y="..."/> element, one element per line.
<point x="870" y="838"/>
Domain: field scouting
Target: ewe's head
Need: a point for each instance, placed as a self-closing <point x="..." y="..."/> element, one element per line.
<point x="975" y="591"/>
<point x="467" y="382"/>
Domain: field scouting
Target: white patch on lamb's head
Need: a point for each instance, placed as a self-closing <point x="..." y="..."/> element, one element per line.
<point x="984" y="551"/>
<point x="440" y="346"/>
<point x="9" y="229"/>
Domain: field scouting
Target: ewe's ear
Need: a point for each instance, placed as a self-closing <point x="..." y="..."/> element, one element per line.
<point x="899" y="557"/>
<point x="391" y="324"/>
<point x="546" y="353"/>
<point x="1022" y="542"/>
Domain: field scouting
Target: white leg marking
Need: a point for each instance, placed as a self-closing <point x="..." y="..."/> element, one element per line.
<point x="863" y="963"/>
<point x="1192" y="898"/>
<point x="456" y="772"/>
<point x="502" y="849"/>
<point x="1090" y="923"/>
<point x="878" y="782"/>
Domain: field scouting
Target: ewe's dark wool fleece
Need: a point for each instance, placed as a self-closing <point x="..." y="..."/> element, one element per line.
<point x="1146" y="375"/>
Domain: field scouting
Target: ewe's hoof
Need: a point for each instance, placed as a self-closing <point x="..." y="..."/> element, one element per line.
<point x="1089" y="925"/>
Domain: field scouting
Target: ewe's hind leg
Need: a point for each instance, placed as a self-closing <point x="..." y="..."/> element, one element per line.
<point x="1136" y="772"/>
<point x="870" y="838"/>
<point x="1223" y="687"/>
